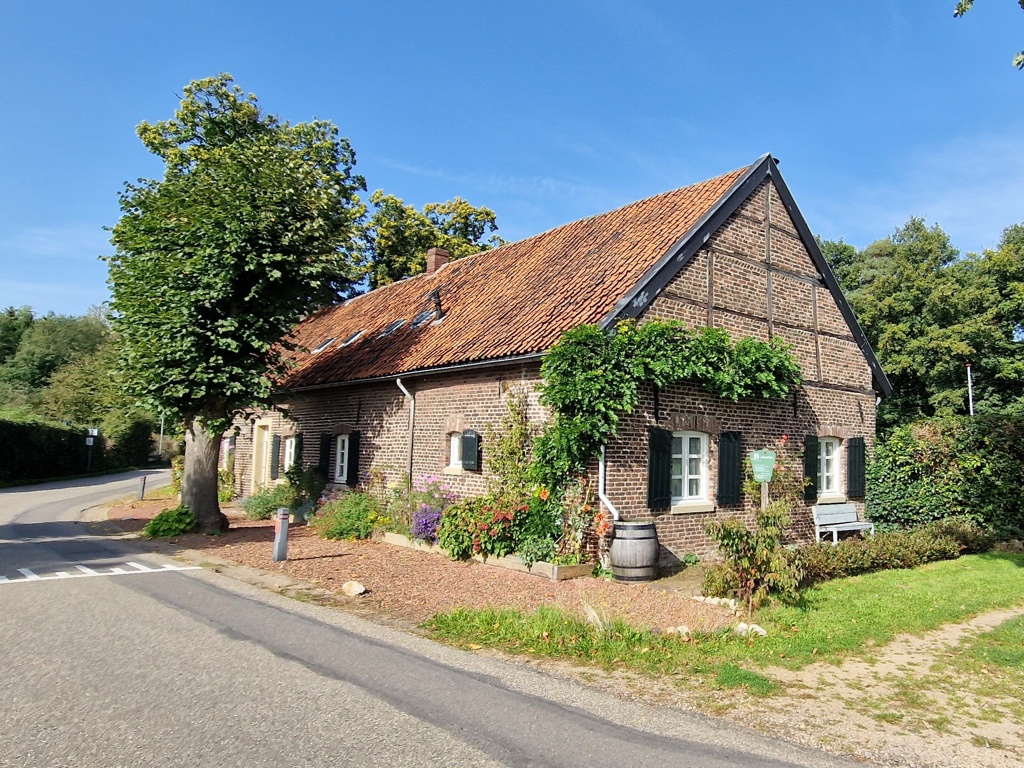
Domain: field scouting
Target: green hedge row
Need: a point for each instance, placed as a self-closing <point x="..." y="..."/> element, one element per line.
<point x="941" y="467"/>
<point x="32" y="450"/>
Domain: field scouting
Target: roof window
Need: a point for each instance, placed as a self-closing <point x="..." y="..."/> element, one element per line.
<point x="323" y="345"/>
<point x="351" y="338"/>
<point x="394" y="326"/>
<point x="422" y="318"/>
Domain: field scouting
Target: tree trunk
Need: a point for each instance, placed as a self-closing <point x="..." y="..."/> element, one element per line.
<point x="199" y="478"/>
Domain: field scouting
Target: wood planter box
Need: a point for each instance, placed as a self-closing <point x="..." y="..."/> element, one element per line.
<point x="511" y="562"/>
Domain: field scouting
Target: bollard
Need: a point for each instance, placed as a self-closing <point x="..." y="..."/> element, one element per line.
<point x="142" y="487"/>
<point x="281" y="535"/>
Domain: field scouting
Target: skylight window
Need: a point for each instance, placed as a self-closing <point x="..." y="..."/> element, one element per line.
<point x="394" y="326"/>
<point x="323" y="345"/>
<point x="422" y="318"/>
<point x="351" y="338"/>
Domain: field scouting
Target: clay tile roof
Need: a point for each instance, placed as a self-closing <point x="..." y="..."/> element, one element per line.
<point x="513" y="300"/>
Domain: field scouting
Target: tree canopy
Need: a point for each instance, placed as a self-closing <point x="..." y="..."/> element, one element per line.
<point x="397" y="236"/>
<point x="253" y="224"/>
<point x="928" y="312"/>
<point x="963" y="6"/>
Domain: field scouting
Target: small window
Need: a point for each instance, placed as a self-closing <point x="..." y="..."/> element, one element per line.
<point x="289" y="452"/>
<point x="689" y="466"/>
<point x="422" y="318"/>
<point x="828" y="466"/>
<point x="394" y="326"/>
<point x="323" y="345"/>
<point x="351" y="338"/>
<point x="455" y="450"/>
<point x="341" y="459"/>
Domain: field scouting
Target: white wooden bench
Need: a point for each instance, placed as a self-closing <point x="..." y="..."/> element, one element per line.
<point x="833" y="518"/>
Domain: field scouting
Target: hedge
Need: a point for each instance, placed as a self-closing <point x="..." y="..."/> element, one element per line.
<point x="941" y="467"/>
<point x="32" y="450"/>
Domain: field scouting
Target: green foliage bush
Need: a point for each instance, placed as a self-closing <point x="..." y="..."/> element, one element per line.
<point x="755" y="565"/>
<point x="170" y="522"/>
<point x="940" y="540"/>
<point x="34" y="449"/>
<point x="352" y="515"/>
<point x="263" y="505"/>
<point x="478" y="526"/>
<point x="938" y="468"/>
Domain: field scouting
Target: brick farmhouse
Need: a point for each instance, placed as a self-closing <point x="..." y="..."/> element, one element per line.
<point x="407" y="377"/>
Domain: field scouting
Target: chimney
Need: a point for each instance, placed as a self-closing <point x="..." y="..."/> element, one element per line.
<point x="436" y="258"/>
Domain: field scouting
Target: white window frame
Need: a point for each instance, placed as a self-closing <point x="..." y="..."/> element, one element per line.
<point x="455" y="450"/>
<point x="341" y="446"/>
<point x="829" y="474"/>
<point x="685" y="475"/>
<point x="288" y="456"/>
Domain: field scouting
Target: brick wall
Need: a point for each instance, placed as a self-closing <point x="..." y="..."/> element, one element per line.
<point x="445" y="403"/>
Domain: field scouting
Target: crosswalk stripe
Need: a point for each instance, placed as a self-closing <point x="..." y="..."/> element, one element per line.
<point x="85" y="571"/>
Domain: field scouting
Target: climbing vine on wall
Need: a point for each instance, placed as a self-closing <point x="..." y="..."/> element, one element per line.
<point x="591" y="377"/>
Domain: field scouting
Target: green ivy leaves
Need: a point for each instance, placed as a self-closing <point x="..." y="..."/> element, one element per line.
<point x="592" y="377"/>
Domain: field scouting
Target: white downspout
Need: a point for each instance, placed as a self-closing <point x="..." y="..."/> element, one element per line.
<point x="412" y="422"/>
<point x="600" y="488"/>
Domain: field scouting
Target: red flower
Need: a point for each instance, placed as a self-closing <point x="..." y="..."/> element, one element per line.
<point x="544" y="494"/>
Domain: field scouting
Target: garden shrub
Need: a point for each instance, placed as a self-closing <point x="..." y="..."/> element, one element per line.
<point x="264" y="504"/>
<point x="940" y="540"/>
<point x="953" y="466"/>
<point x="351" y="515"/>
<point x="479" y="526"/>
<point x="755" y="566"/>
<point x="170" y="522"/>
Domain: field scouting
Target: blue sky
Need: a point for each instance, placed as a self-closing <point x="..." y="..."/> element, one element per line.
<point x="545" y="112"/>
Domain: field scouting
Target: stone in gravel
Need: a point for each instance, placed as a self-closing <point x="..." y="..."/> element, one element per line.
<point x="352" y="588"/>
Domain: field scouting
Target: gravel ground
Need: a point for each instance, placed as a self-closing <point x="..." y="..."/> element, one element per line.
<point x="412" y="586"/>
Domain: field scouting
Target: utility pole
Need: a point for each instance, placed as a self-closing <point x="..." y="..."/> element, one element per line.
<point x="970" y="390"/>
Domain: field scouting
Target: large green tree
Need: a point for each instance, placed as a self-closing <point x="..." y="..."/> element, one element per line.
<point x="928" y="312"/>
<point x="252" y="225"/>
<point x="963" y="6"/>
<point x="49" y="342"/>
<point x="397" y="236"/>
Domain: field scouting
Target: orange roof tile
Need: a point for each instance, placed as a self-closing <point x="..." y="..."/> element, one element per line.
<point x="514" y="300"/>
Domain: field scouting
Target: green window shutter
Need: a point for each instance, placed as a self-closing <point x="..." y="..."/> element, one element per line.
<point x="298" y="451"/>
<point x="855" y="467"/>
<point x="324" y="464"/>
<point x="275" y="457"/>
<point x="810" y="468"/>
<point x="471" y="450"/>
<point x="730" y="468"/>
<point x="352" y="470"/>
<point x="659" y="469"/>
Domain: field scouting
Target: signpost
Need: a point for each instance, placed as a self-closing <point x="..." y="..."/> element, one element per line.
<point x="763" y="463"/>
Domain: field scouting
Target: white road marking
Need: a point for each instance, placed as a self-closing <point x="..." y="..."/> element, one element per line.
<point x="86" y="571"/>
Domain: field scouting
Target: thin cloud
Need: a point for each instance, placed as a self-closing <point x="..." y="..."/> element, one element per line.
<point x="970" y="186"/>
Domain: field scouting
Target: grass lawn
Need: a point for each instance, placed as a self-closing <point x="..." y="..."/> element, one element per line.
<point x="833" y="620"/>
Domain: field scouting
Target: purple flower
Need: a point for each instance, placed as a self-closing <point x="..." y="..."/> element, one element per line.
<point x="424" y="523"/>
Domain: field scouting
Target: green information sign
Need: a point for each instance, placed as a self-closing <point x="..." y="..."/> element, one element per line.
<point x="763" y="462"/>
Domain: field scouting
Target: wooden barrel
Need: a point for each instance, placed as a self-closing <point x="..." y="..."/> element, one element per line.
<point x="634" y="551"/>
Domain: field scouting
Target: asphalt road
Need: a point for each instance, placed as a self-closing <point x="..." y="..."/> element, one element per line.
<point x="113" y="656"/>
